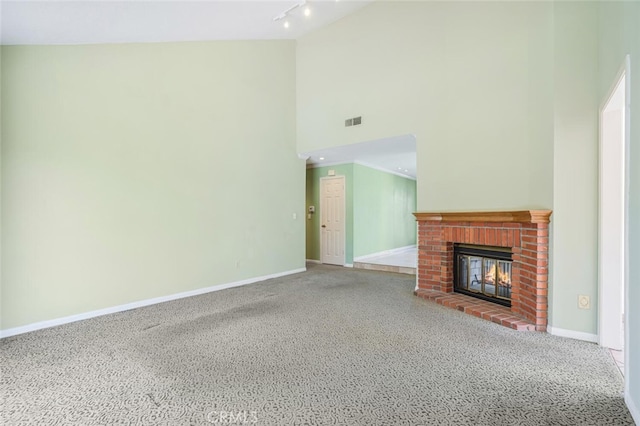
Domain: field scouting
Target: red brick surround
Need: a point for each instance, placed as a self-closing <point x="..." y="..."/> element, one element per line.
<point x="525" y="232"/>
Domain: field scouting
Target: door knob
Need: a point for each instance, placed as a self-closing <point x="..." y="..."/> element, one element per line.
<point x="324" y="226"/>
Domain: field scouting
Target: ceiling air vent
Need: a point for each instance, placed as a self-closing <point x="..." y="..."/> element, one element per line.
<point x="353" y="121"/>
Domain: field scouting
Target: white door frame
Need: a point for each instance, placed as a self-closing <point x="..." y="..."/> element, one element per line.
<point x="611" y="234"/>
<point x="344" y="216"/>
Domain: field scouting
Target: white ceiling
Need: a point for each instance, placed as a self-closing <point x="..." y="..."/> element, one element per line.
<point x="110" y="21"/>
<point x="396" y="155"/>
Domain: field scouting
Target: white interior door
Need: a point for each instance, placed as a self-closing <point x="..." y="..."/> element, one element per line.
<point x="332" y="220"/>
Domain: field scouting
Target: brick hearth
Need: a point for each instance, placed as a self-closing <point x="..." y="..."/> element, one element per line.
<point x="525" y="232"/>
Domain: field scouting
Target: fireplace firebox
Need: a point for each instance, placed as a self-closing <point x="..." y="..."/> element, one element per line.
<point x="483" y="272"/>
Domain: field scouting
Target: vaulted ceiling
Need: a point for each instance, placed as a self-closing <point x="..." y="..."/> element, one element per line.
<point x="107" y="21"/>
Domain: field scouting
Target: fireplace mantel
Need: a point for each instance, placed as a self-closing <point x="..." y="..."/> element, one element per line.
<point x="525" y="232"/>
<point x="518" y="216"/>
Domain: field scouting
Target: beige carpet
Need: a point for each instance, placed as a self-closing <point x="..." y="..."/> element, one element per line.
<point x="329" y="346"/>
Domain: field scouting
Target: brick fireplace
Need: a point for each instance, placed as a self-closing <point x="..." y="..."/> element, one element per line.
<point x="526" y="233"/>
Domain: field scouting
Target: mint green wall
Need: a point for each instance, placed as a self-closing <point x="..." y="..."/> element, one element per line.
<point x="575" y="159"/>
<point x="313" y="199"/>
<point x="383" y="207"/>
<point x="141" y="170"/>
<point x="472" y="80"/>
<point x="619" y="35"/>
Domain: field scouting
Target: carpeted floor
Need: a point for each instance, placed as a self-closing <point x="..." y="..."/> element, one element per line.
<point x="329" y="346"/>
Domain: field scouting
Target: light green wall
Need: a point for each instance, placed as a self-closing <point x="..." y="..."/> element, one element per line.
<point x="313" y="199"/>
<point x="619" y="35"/>
<point x="141" y="170"/>
<point x="472" y="80"/>
<point x="575" y="159"/>
<point x="383" y="209"/>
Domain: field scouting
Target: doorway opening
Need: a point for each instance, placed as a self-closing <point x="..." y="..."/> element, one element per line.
<point x="380" y="198"/>
<point x="613" y="219"/>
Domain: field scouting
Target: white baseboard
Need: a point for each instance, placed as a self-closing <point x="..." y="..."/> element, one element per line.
<point x="578" y="335"/>
<point x="346" y="265"/>
<point x="384" y="253"/>
<point x="633" y="408"/>
<point x="133" y="305"/>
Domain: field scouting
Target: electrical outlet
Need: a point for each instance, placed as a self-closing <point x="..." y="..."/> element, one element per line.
<point x="584" y="302"/>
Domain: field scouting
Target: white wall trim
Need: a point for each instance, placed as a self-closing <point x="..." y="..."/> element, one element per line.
<point x="384" y="253"/>
<point x="139" y="304"/>
<point x="578" y="335"/>
<point x="382" y="169"/>
<point x="613" y="212"/>
<point x="361" y="163"/>
<point x="627" y="197"/>
<point x="348" y="265"/>
<point x="328" y="164"/>
<point x="313" y="261"/>
<point x="631" y="405"/>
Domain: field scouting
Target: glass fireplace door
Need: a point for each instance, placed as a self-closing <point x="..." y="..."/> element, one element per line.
<point x="479" y="273"/>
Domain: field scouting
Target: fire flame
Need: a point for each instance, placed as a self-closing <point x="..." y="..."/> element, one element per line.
<point x="504" y="279"/>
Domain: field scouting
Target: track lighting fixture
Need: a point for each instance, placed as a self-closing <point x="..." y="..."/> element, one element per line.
<point x="286" y="14"/>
